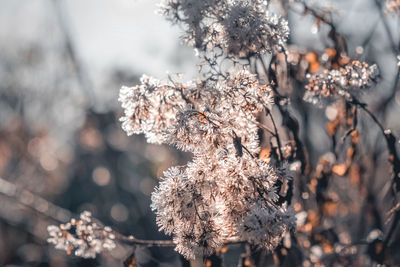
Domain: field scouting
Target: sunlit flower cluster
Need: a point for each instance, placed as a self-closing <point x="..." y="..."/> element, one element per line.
<point x="239" y="28"/>
<point x="215" y="197"/>
<point x="151" y="107"/>
<point x="209" y="202"/>
<point x="82" y="237"/>
<point x="226" y="193"/>
<point x="328" y="83"/>
<point x="196" y="116"/>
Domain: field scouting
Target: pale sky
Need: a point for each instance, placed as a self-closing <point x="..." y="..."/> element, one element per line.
<point x="124" y="33"/>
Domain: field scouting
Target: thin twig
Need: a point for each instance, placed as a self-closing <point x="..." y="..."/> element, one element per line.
<point x="278" y="140"/>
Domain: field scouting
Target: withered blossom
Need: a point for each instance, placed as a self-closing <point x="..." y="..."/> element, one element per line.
<point x="250" y="29"/>
<point x="214" y="197"/>
<point x="239" y="28"/>
<point x="188" y="114"/>
<point x="226" y="193"/>
<point x="340" y="82"/>
<point x="83" y="237"/>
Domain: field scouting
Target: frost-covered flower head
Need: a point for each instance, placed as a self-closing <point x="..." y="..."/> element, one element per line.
<point x="239" y="28"/>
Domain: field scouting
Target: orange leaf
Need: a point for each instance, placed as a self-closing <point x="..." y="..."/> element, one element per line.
<point x="333" y="126"/>
<point x="340" y="169"/>
<point x="265" y="154"/>
<point x="331" y="52"/>
<point x="330" y="208"/>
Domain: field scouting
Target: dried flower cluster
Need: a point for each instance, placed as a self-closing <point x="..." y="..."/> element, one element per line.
<point x="226" y="192"/>
<point x="82" y="237"/>
<point x="355" y="75"/>
<point x="187" y="114"/>
<point x="239" y="28"/>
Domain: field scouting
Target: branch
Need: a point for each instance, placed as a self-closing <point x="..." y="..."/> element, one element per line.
<point x="276" y="134"/>
<point x="394" y="159"/>
<point x="390" y="142"/>
<point x="61" y="215"/>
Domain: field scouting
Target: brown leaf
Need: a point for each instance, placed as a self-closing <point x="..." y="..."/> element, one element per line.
<point x="333" y="126"/>
<point x="265" y="154"/>
<point x="330" y="208"/>
<point x="340" y="169"/>
<point x="313" y="61"/>
<point x="355" y="137"/>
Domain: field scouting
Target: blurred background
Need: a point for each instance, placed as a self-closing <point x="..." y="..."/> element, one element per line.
<point x="61" y="66"/>
<point x="62" y="149"/>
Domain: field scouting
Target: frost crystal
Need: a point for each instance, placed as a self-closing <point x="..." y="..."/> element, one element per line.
<point x="83" y="237"/>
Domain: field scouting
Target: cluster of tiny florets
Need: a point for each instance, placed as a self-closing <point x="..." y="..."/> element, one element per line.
<point x="329" y="83"/>
<point x="214" y="197"/>
<point x="250" y="31"/>
<point x="82" y="237"/>
<point x="239" y="28"/>
<point x="151" y="107"/>
<point x="267" y="226"/>
<point x="226" y="192"/>
<point x="196" y="116"/>
<point x="211" y="201"/>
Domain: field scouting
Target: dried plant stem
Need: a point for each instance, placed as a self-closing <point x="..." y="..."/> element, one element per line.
<point x="276" y="134"/>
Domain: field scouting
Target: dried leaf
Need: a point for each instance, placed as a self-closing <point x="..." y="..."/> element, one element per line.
<point x="330" y="208"/>
<point x="333" y="126"/>
<point x="265" y="154"/>
<point x="340" y="169"/>
<point x="331" y="52"/>
<point x="313" y="61"/>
